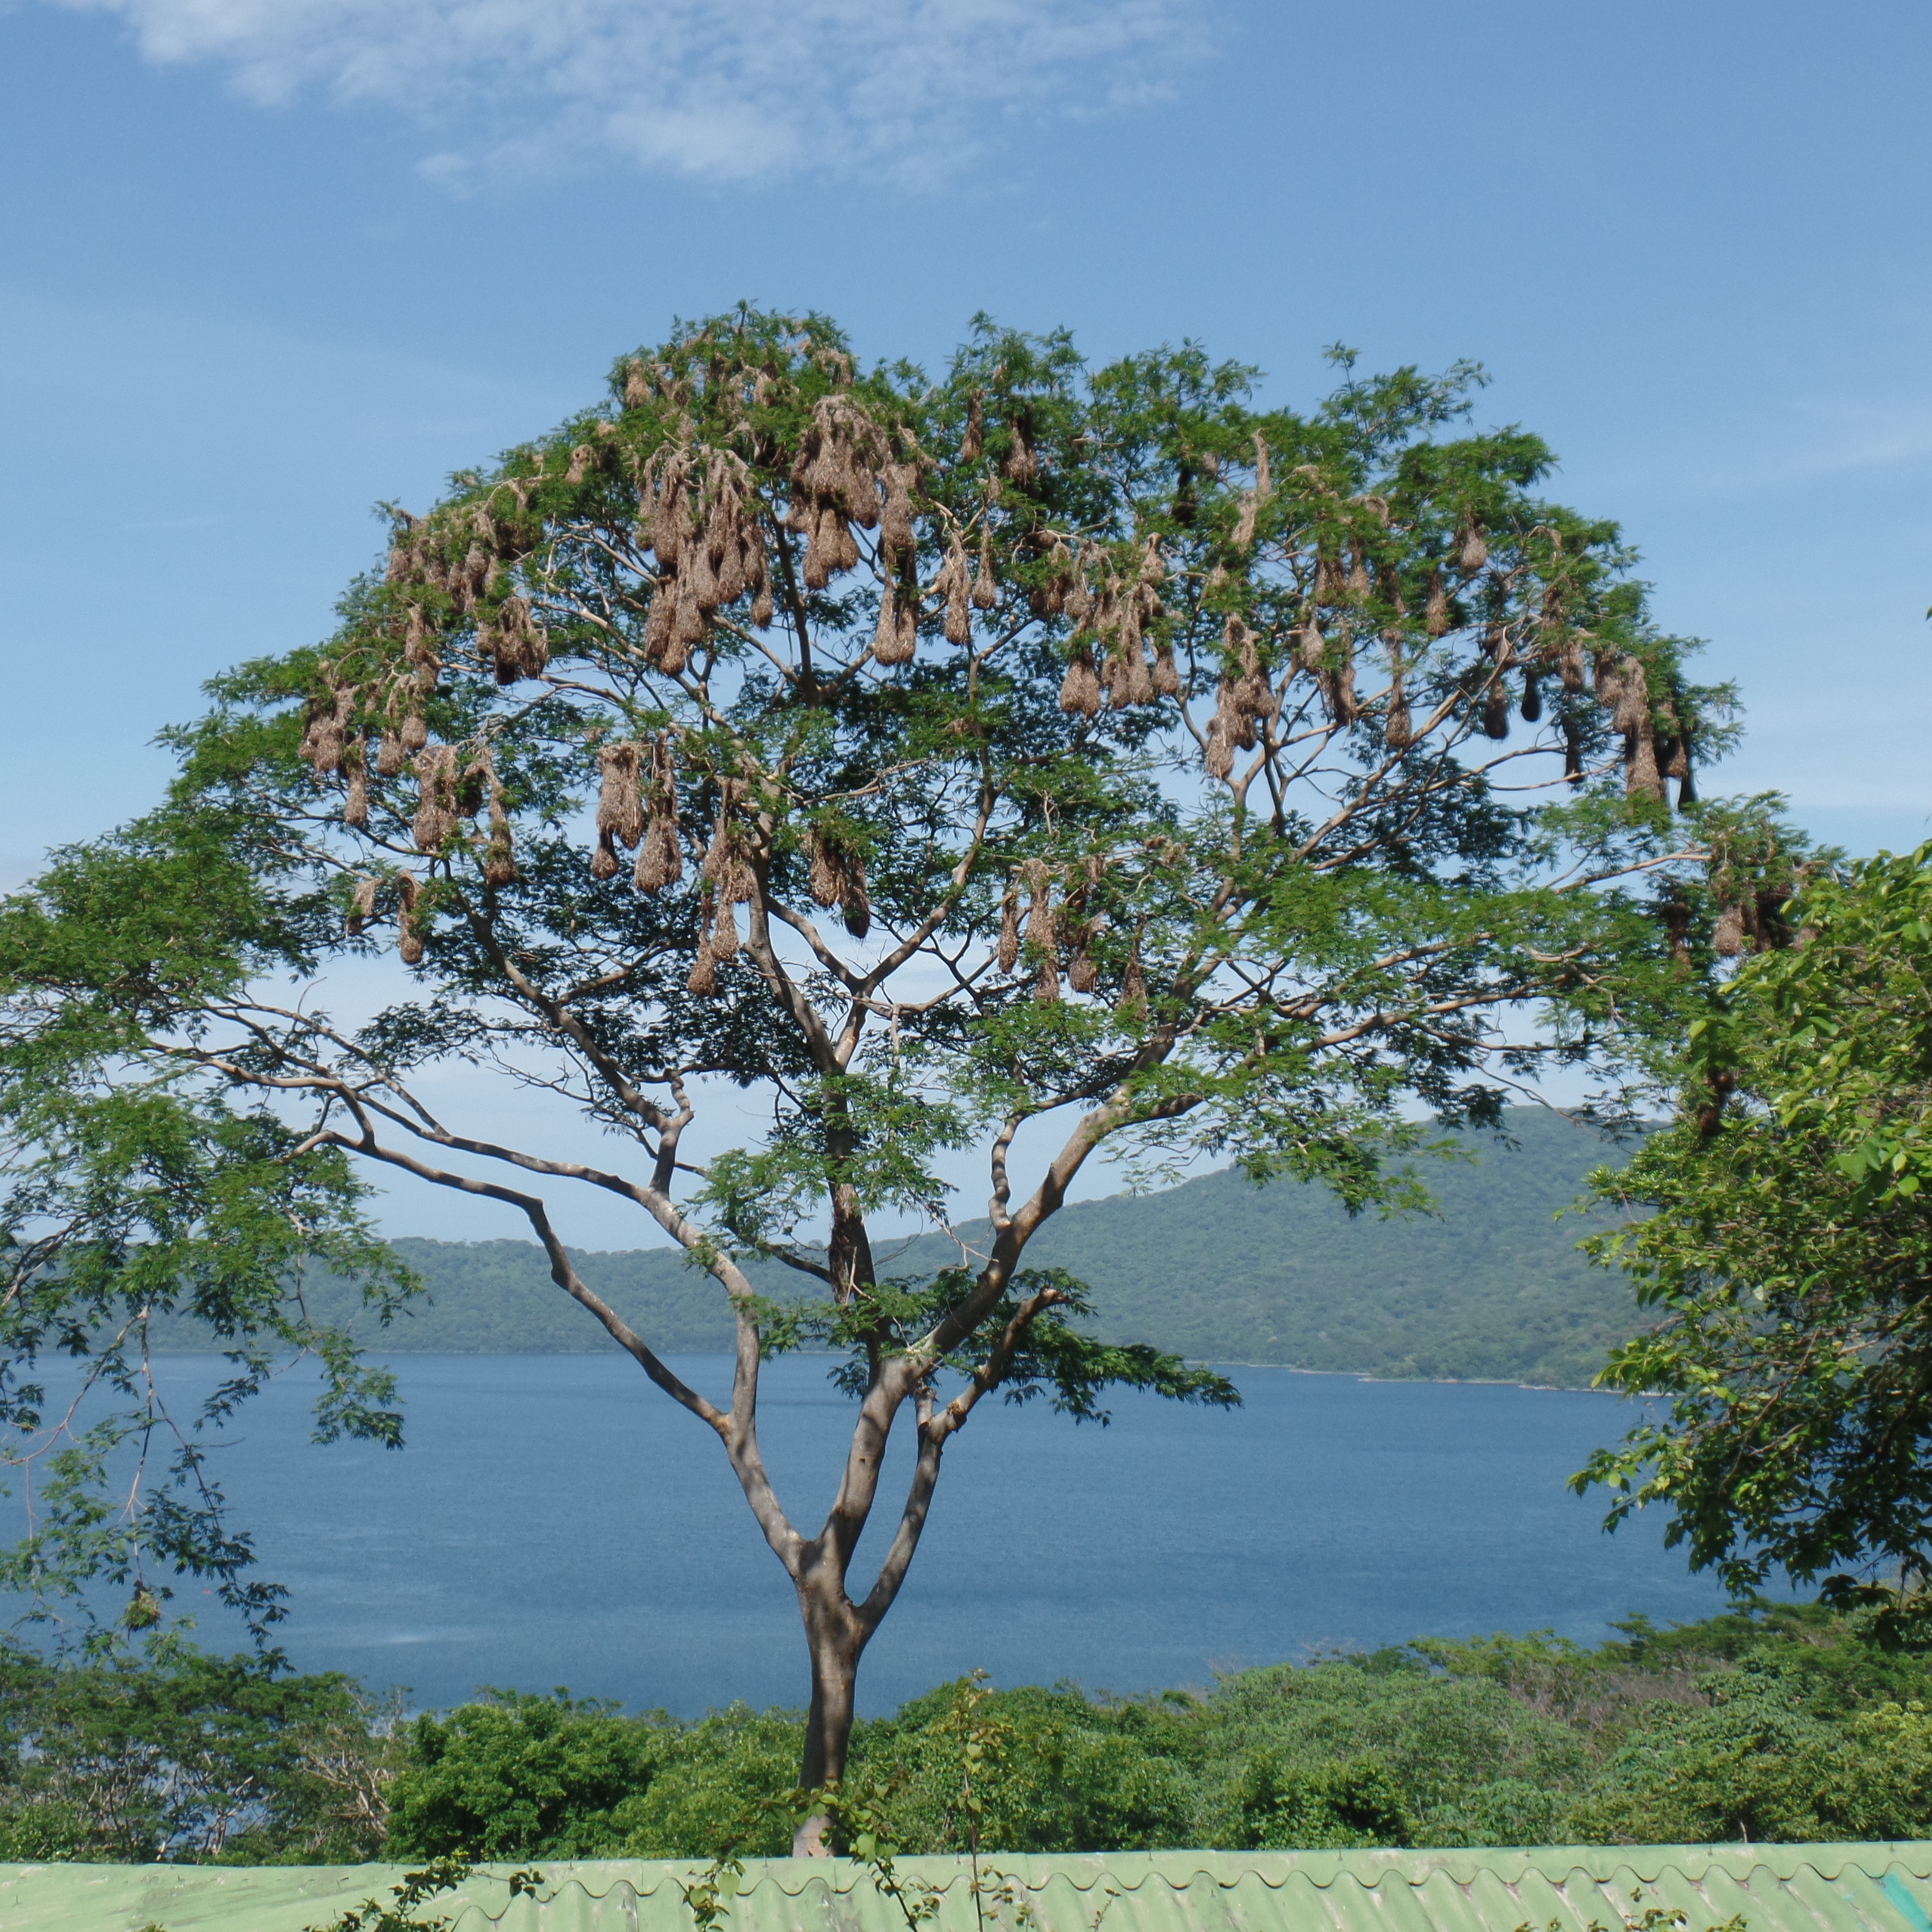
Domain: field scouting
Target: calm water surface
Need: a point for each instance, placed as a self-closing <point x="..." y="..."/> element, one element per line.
<point x="556" y="1521"/>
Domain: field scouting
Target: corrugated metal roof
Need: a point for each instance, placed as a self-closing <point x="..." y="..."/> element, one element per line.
<point x="1873" y="1887"/>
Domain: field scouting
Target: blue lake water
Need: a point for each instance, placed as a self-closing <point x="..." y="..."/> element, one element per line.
<point x="556" y="1521"/>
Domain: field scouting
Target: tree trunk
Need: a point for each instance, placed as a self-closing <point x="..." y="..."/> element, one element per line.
<point x="835" y="1639"/>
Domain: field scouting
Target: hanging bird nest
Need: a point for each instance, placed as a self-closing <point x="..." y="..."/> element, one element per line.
<point x="895" y="641"/>
<point x="1132" y="1002"/>
<point x="661" y="855"/>
<point x="953" y="586"/>
<point x="355" y="801"/>
<point x="1573" y="751"/>
<point x="499" y="851"/>
<point x="1398" y="726"/>
<point x="1642" y="778"/>
<point x="1080" y="688"/>
<point x="986" y="585"/>
<point x="1008" y="951"/>
<point x="436" y="797"/>
<point x="973" y="441"/>
<point x="620" y="805"/>
<point x="408" y="924"/>
<point x="329" y="712"/>
<point x="838" y="875"/>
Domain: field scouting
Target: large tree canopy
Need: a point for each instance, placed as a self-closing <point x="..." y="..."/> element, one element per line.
<point x="1786" y="1243"/>
<point x="941" y="760"/>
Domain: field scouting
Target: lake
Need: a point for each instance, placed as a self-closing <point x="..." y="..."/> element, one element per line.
<point x="556" y="1521"/>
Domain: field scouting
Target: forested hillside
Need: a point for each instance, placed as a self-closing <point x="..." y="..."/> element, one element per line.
<point x="1491" y="1288"/>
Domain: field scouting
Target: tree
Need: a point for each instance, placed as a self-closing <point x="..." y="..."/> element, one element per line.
<point x="1039" y="744"/>
<point x="1785" y="1241"/>
<point x="521" y="1777"/>
<point x="181" y="1755"/>
<point x="1760" y="1761"/>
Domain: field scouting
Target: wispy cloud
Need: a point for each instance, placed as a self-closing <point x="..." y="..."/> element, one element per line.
<point x="718" y="90"/>
<point x="1810" y="440"/>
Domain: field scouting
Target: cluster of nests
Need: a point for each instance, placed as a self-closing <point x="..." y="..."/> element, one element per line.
<point x="638" y="807"/>
<point x="637" y="810"/>
<point x="698" y="517"/>
<point x="1656" y="732"/>
<point x="467" y="561"/>
<point x="343" y="712"/>
<point x="451" y="784"/>
<point x="1112" y="610"/>
<point x="1117" y="661"/>
<point x="1066" y="926"/>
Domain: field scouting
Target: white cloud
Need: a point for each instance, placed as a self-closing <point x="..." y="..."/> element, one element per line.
<point x="720" y="90"/>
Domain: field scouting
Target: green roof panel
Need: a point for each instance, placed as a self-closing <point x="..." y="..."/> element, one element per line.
<point x="1873" y="1887"/>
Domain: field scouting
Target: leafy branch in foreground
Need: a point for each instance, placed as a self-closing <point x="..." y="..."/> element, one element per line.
<point x="417" y="1889"/>
<point x="1786" y="1241"/>
<point x="1650" y="1919"/>
<point x="859" y="1821"/>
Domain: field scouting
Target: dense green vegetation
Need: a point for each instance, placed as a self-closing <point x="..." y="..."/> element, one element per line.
<point x="188" y="1756"/>
<point x="1491" y="1288"/>
<point x="1779" y="1238"/>
<point x="1775" y="1723"/>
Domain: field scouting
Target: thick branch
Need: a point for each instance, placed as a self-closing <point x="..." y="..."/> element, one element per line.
<point x="912" y="1518"/>
<point x="534" y="1209"/>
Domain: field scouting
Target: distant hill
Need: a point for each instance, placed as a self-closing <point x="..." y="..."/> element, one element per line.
<point x="1492" y="1289"/>
<point x="497" y="1298"/>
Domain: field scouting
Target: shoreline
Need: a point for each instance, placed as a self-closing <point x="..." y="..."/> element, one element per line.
<point x="397" y="1358"/>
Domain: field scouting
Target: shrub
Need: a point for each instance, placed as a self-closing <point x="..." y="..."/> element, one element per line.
<point x="519" y="1776"/>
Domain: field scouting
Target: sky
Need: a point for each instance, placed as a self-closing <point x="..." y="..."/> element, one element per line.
<point x="266" y="263"/>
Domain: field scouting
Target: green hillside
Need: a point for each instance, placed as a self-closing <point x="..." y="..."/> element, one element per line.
<point x="497" y="1298"/>
<point x="1492" y="1289"/>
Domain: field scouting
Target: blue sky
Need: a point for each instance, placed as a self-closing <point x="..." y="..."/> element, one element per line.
<point x="263" y="263"/>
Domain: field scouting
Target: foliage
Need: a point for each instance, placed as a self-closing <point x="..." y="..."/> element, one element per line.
<point x="417" y="1889"/>
<point x="1055" y="1773"/>
<point x="1786" y="1243"/>
<point x="1336" y="1806"/>
<point x="1033" y="748"/>
<point x="522" y="1776"/>
<point x="1378" y="1748"/>
<point x="716" y="1787"/>
<point x="1028" y="1346"/>
<point x="1762" y="1763"/>
<point x="1785" y="1721"/>
<point x="188" y="1756"/>
<point x="1799" y="1714"/>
